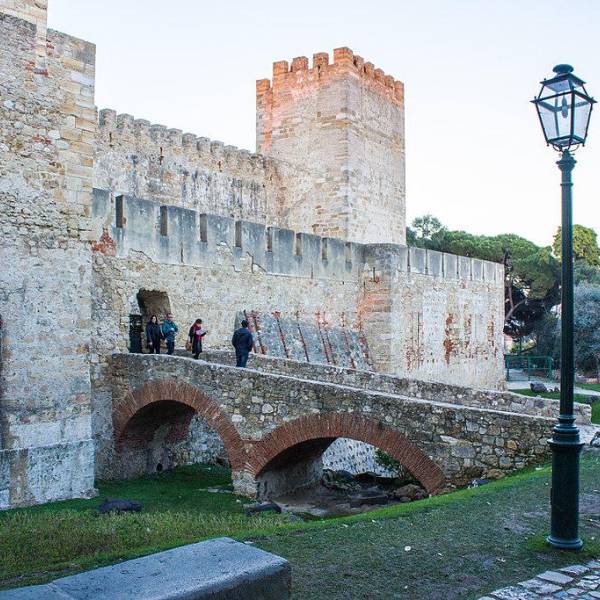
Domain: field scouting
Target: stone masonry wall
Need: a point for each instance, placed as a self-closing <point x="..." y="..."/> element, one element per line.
<point x="47" y="128"/>
<point x="137" y="158"/>
<point x="464" y="442"/>
<point x="217" y="266"/>
<point x="433" y="316"/>
<point x="401" y="386"/>
<point x="344" y="123"/>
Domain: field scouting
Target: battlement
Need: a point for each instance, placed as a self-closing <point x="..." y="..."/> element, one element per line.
<point x="344" y="61"/>
<point x="312" y="116"/>
<point x="124" y="129"/>
<point x="176" y="235"/>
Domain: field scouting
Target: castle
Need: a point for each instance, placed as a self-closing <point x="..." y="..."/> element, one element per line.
<point x="106" y="219"/>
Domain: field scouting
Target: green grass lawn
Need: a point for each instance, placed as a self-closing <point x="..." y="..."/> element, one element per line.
<point x="59" y="538"/>
<point x="461" y="544"/>
<point x="589" y="386"/>
<point x="577" y="397"/>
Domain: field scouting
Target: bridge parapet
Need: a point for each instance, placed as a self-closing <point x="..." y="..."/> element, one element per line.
<point x="414" y="388"/>
<point x="264" y="414"/>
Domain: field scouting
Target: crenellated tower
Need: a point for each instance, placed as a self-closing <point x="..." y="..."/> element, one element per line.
<point x="340" y="128"/>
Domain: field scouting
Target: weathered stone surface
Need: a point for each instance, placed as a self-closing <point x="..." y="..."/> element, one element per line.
<point x="382" y="382"/>
<point x="107" y="219"/>
<point x="427" y="437"/>
<point x="47" y="131"/>
<point x="219" y="569"/>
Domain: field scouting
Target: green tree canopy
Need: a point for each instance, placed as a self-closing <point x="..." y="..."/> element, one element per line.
<point x="426" y="227"/>
<point x="585" y="245"/>
<point x="585" y="273"/>
<point x="587" y="329"/>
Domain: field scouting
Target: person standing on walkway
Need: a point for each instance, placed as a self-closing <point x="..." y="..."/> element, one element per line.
<point x="242" y="342"/>
<point x="169" y="329"/>
<point x="153" y="335"/>
<point x="196" y="333"/>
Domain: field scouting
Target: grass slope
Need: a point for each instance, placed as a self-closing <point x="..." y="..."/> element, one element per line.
<point x="461" y="545"/>
<point x="60" y="538"/>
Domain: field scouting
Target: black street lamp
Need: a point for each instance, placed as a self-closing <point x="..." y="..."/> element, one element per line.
<point x="564" y="108"/>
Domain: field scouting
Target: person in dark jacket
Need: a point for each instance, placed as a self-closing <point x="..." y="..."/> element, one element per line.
<point x="242" y="342"/>
<point x="169" y="329"/>
<point x="196" y="333"/>
<point x="153" y="335"/>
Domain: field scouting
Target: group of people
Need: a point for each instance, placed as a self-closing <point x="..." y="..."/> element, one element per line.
<point x="242" y="339"/>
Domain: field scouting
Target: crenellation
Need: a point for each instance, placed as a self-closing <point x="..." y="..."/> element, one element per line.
<point x="107" y="118"/>
<point x="281" y="67"/>
<point x="263" y="86"/>
<point x="489" y="271"/>
<point x="320" y="59"/>
<point x="477" y="269"/>
<point x="158" y="133"/>
<point x="399" y="91"/>
<point x="435" y="263"/>
<point x="291" y="252"/>
<point x="465" y="265"/>
<point x="175" y="137"/>
<point x="300" y="63"/>
<point x="189" y="140"/>
<point x="203" y="147"/>
<point x="450" y="262"/>
<point x="343" y="55"/>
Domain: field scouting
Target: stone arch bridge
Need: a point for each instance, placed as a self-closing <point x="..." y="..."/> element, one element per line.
<point x="275" y="421"/>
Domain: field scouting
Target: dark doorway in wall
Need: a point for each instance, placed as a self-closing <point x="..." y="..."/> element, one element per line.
<point x="151" y="302"/>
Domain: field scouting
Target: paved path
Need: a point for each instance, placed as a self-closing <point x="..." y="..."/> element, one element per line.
<point x="522" y="384"/>
<point x="579" y="582"/>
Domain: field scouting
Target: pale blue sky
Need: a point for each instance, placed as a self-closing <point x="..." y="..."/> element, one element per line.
<point x="475" y="153"/>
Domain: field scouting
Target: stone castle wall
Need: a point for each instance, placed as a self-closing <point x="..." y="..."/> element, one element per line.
<point x="434" y="316"/>
<point x="103" y="214"/>
<point x="47" y="132"/>
<point x="211" y="267"/>
<point x="137" y="158"/>
<point x="344" y="123"/>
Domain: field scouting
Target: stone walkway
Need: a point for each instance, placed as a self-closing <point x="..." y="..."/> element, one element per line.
<point x="580" y="582"/>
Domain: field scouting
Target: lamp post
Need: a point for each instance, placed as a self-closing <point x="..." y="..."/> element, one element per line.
<point x="564" y="108"/>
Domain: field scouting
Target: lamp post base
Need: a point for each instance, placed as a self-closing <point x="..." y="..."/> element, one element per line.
<point x="561" y="544"/>
<point x="564" y="494"/>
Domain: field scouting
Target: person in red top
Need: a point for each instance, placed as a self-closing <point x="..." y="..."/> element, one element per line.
<point x="196" y="334"/>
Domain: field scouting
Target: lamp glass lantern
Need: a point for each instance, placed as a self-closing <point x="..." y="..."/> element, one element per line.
<point x="564" y="108"/>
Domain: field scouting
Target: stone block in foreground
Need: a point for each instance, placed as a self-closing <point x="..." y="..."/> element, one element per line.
<point x="219" y="569"/>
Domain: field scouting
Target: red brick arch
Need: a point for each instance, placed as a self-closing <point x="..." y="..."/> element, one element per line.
<point x="159" y="390"/>
<point x="348" y="425"/>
